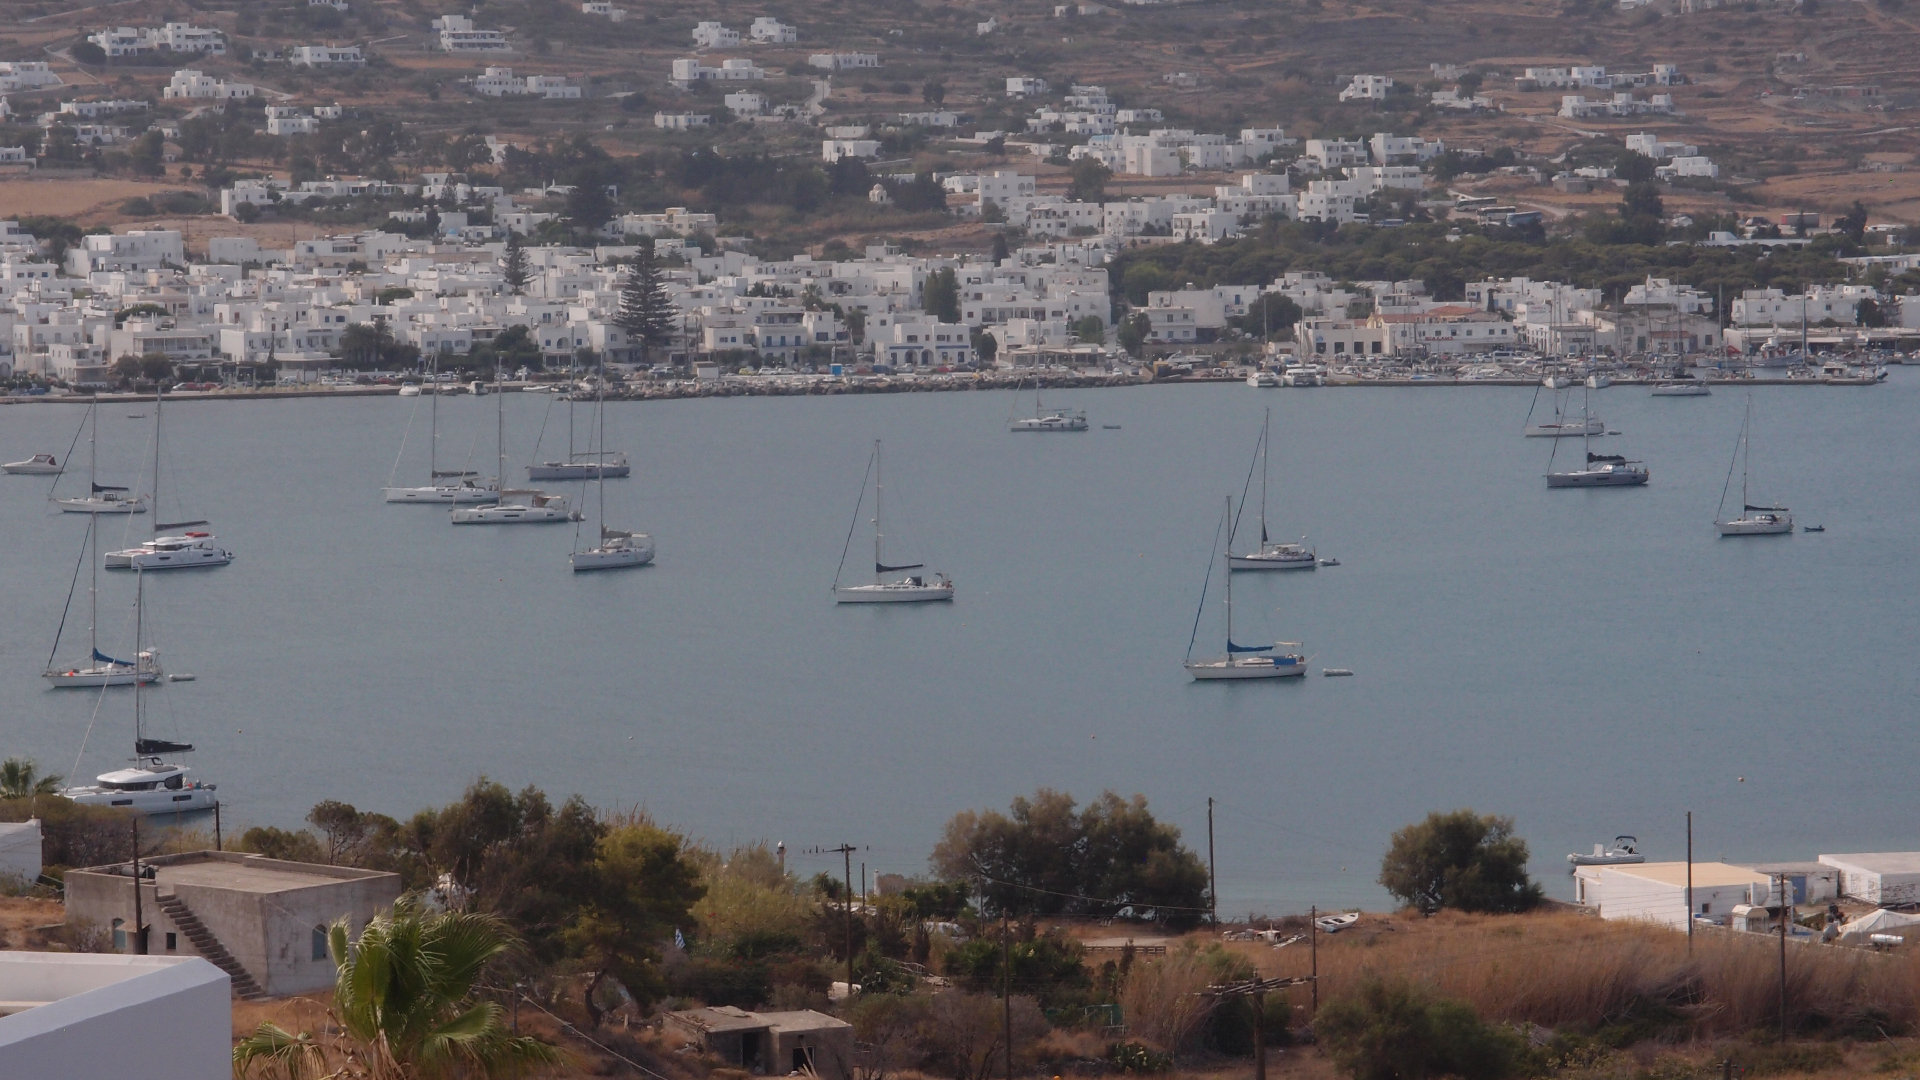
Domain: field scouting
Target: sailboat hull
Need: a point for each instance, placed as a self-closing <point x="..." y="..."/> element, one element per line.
<point x="1764" y="525"/>
<point x="900" y="592"/>
<point x="508" y="514"/>
<point x="169" y="553"/>
<point x="1249" y="667"/>
<point x="1681" y="390"/>
<point x="615" y="468"/>
<point x="440" y="496"/>
<point x="1595" y="478"/>
<point x="614" y="556"/>
<point x="1050" y="423"/>
<point x="1570" y="429"/>
<point x="1276" y="559"/>
<point x="103" y="506"/>
<point x="80" y="678"/>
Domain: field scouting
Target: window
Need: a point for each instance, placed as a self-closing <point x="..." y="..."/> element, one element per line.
<point x="119" y="934"/>
<point x="319" y="942"/>
<point x="172" y="942"/>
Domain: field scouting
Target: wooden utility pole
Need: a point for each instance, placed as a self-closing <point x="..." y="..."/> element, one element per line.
<point x="1689" y="883"/>
<point x="217" y="845"/>
<point x="1255" y="990"/>
<point x="845" y="851"/>
<point x="1006" y="989"/>
<point x="1213" y="882"/>
<point x="1786" y="916"/>
<point x="1313" y="946"/>
<point x="139" y="919"/>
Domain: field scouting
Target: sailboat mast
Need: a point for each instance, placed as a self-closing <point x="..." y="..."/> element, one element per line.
<point x="600" y="446"/>
<point x="155" y="508"/>
<point x="877" y="561"/>
<point x="1746" y="454"/>
<point x="139" y="598"/>
<point x="1229" y="586"/>
<point x="1266" y="445"/>
<point x="433" y="424"/>
<point x="499" y="431"/>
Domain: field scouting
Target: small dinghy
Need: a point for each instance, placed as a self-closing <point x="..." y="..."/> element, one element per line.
<point x="1110" y="427"/>
<point x="1813" y="528"/>
<point x="1333" y="924"/>
<point x="181" y="676"/>
<point x="1329" y="562"/>
<point x="1625" y="849"/>
<point x="1332" y="671"/>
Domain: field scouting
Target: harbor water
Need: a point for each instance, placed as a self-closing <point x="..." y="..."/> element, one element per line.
<point x="1589" y="662"/>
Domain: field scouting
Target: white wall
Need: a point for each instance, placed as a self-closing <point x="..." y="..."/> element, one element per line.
<point x="20" y="851"/>
<point x="174" y="1014"/>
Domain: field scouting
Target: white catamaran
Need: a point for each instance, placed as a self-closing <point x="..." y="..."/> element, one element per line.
<point x="1241" y="661"/>
<point x="1271" y="554"/>
<point x="1753" y="520"/>
<point x="182" y="550"/>
<point x="913" y="589"/>
<point x="1044" y="419"/>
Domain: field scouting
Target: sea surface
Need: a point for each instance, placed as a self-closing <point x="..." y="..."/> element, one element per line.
<point x="1587" y="662"/>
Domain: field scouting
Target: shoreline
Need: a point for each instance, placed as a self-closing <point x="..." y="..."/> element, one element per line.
<point x="827" y="385"/>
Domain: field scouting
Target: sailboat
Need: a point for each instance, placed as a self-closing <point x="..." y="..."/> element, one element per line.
<point x="596" y="464"/>
<point x="1601" y="470"/>
<point x="151" y="785"/>
<point x="455" y="488"/>
<point x="1048" y="420"/>
<point x="1241" y="661"/>
<point x="517" y="506"/>
<point x="98" y="669"/>
<point x="101" y="498"/>
<point x="913" y="589"/>
<point x="1270" y="555"/>
<point x="1753" y="520"/>
<point x="617" y="549"/>
<point x="176" y="552"/>
<point x="1562" y="426"/>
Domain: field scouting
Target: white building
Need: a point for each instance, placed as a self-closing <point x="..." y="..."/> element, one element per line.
<point x="1885" y="878"/>
<point x="713" y="35"/>
<point x="286" y="120"/>
<point x="1657" y="892"/>
<point x="745" y="104"/>
<point x="1367" y="88"/>
<point x="327" y="56"/>
<point x="173" y="37"/>
<point x="1772" y="307"/>
<point x="1027" y="87"/>
<point x="768" y="30"/>
<point x="686" y="72"/>
<point x="918" y="340"/>
<point x="20" y="844"/>
<point x="139" y="249"/>
<point x="939" y="118"/>
<point x="1392" y="149"/>
<point x="1336" y="153"/>
<point x="843" y="61"/>
<point x="1653" y="147"/>
<point x="187" y="83"/>
<point x="680" y="121"/>
<point x="26" y="75"/>
<point x="458" y="35"/>
<point x="502" y="82"/>
<point x="1565" y="78"/>
<point x="65" y="1009"/>
<point x="832" y="150"/>
<point x="1682" y="167"/>
<point x="603" y="8"/>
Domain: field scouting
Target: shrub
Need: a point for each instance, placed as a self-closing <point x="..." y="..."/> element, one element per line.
<point x="1133" y="1057"/>
<point x="1460" y="860"/>
<point x="1395" y="1031"/>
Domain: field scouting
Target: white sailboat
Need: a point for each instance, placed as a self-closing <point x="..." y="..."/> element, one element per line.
<point x="1044" y="419"/>
<point x="101" y="498"/>
<point x="618" y="549"/>
<point x="1562" y="426"/>
<point x="454" y="488"/>
<point x="517" y="506"/>
<point x="1241" y="661"/>
<point x="1600" y="470"/>
<point x="98" y="669"/>
<point x="1753" y="520"/>
<point x="595" y="464"/>
<point x="151" y="785"/>
<point x="1270" y="555"/>
<point x="183" y="550"/>
<point x="913" y="589"/>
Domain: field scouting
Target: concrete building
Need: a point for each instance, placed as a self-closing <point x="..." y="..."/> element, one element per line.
<point x="770" y="1043"/>
<point x="262" y="921"/>
<point x="327" y="56"/>
<point x="140" y="249"/>
<point x="1657" y="892"/>
<point x="1367" y="88"/>
<point x="20" y="851"/>
<point x="458" y="35"/>
<point x="1027" y="87"/>
<point x="713" y="35"/>
<point x="1884" y="877"/>
<point x="286" y="120"/>
<point x="686" y="72"/>
<point x="768" y="30"/>
<point x="832" y="150"/>
<point x="77" y="1015"/>
<point x="188" y="83"/>
<point x="603" y="8"/>
<point x="681" y="121"/>
<point x="843" y="61"/>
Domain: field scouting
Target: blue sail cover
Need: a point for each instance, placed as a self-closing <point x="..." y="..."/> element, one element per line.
<point x="883" y="568"/>
<point x="105" y="659"/>
<point x="1232" y="648"/>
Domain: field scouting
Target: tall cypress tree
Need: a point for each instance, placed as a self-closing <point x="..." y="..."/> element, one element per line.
<point x="646" y="313"/>
<point x="513" y="265"/>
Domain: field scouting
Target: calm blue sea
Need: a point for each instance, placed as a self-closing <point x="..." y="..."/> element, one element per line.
<point x="1588" y="662"/>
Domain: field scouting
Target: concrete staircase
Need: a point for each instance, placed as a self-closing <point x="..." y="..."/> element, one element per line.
<point x="210" y="949"/>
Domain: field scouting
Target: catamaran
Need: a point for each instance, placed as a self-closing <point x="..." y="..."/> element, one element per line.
<point x="183" y="550"/>
<point x="1044" y="419"/>
<point x="98" y="669"/>
<point x="151" y="785"/>
<point x="1270" y="555"/>
<point x="1241" y="661"/>
<point x="913" y="589"/>
<point x="101" y="498"/>
<point x="1753" y="520"/>
<point x="457" y="487"/>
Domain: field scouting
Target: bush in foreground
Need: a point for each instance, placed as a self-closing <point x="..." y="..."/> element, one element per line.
<point x="1393" y="1030"/>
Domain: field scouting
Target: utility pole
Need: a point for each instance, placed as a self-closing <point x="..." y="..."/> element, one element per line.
<point x="1255" y="990"/>
<point x="1213" y="882"/>
<point x="217" y="846"/>
<point x="845" y="851"/>
<point x="1786" y="916"/>
<point x="1006" y="989"/>
<point x="1313" y="946"/>
<point x="139" y="919"/>
<point x="1689" y="883"/>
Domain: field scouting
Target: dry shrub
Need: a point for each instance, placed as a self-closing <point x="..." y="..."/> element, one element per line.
<point x="1161" y="1000"/>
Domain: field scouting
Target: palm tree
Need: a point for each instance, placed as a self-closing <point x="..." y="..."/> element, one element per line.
<point x="404" y="1003"/>
<point x="20" y="779"/>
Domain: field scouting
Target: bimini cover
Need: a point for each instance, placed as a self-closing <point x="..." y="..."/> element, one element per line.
<point x="1878" y="922"/>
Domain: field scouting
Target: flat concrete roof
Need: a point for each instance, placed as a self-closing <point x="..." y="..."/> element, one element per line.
<point x="1879" y="862"/>
<point x="723" y="1019"/>
<point x="802" y="1020"/>
<point x="239" y="872"/>
<point x="1707" y="874"/>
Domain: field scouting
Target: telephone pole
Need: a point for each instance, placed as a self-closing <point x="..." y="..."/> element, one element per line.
<point x="1213" y="883"/>
<point x="1786" y="916"/>
<point x="1689" y="883"/>
<point x="1255" y="989"/>
<point x="845" y="851"/>
<point x="1006" y="989"/>
<point x="139" y="919"/>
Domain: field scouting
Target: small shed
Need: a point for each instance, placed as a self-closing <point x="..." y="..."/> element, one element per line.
<point x="1879" y="877"/>
<point x="771" y="1043"/>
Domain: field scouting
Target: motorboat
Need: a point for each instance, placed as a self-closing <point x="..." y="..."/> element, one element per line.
<point x="1264" y="380"/>
<point x="913" y="589"/>
<point x="1054" y="421"/>
<point x="517" y="507"/>
<point x="1603" y="470"/>
<point x="616" y="550"/>
<point x="151" y="786"/>
<point x="582" y="467"/>
<point x="1271" y="554"/>
<point x="1753" y="520"/>
<point x="1623" y="850"/>
<point x="1556" y="382"/>
<point x="1333" y="924"/>
<point x="171" y="553"/>
<point x="1597" y="381"/>
<point x="1241" y="661"/>
<point x="1682" y="388"/>
<point x="1300" y="376"/>
<point x="37" y="465"/>
<point x="467" y="492"/>
<point x="1329" y="562"/>
<point x="104" y="670"/>
<point x="409" y="389"/>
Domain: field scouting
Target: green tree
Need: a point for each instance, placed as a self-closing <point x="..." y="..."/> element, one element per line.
<point x="985" y="346"/>
<point x="1393" y="1031"/>
<point x="1089" y="180"/>
<point x="513" y="264"/>
<point x="940" y="295"/>
<point x="646" y="313"/>
<point x="1273" y="316"/>
<point x="933" y="92"/>
<point x="86" y="52"/>
<point x="642" y="888"/>
<point x="588" y="206"/>
<point x="148" y="153"/>
<point x="1000" y="252"/>
<point x="405" y="1001"/>
<point x="20" y="779"/>
<point x="1133" y="332"/>
<point x="1091" y="330"/>
<point x="1460" y="860"/>
<point x="1869" y="313"/>
<point x="1853" y="223"/>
